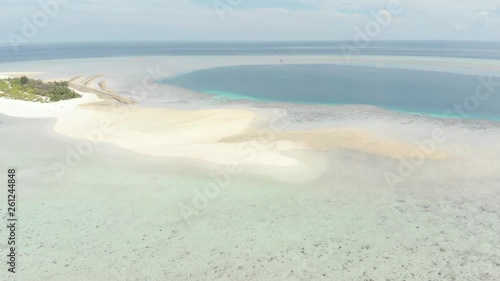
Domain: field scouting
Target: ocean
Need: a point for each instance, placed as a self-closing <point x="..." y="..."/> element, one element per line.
<point x="397" y="88"/>
<point x="36" y="52"/>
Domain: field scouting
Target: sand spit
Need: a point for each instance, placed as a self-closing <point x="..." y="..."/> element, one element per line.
<point x="114" y="95"/>
<point x="221" y="136"/>
<point x="74" y="79"/>
<point x="104" y="92"/>
<point x="89" y="80"/>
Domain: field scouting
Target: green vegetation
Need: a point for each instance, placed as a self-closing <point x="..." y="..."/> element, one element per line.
<point x="24" y="80"/>
<point x="35" y="90"/>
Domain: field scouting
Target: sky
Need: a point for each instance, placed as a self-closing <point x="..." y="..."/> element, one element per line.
<point x="35" y="21"/>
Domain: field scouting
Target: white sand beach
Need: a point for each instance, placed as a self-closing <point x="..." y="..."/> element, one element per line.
<point x="216" y="136"/>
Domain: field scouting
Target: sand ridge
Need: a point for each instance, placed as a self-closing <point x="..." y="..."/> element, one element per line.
<point x="222" y="136"/>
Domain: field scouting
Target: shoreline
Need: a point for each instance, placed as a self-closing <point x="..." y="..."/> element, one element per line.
<point x="221" y="136"/>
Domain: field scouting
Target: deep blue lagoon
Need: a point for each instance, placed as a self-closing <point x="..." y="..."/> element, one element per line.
<point x="413" y="91"/>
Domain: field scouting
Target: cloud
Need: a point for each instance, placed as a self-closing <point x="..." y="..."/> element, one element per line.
<point x="98" y="20"/>
<point x="293" y="5"/>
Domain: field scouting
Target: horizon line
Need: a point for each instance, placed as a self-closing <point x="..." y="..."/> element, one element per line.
<point x="246" y="41"/>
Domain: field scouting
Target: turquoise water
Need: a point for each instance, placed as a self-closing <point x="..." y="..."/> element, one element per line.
<point x="438" y="94"/>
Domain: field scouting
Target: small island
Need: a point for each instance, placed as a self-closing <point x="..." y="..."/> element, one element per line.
<point x="27" y="89"/>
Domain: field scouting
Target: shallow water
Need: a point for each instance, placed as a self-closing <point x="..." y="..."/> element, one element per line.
<point x="120" y="215"/>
